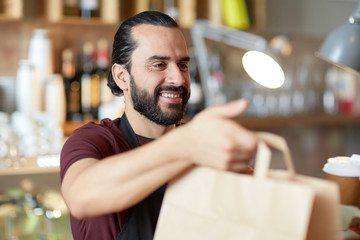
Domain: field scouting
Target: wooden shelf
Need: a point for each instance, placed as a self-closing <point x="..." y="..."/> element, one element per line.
<point x="29" y="166"/>
<point x="4" y="18"/>
<point x="28" y="171"/>
<point x="81" y="21"/>
<point x="69" y="127"/>
<point x="318" y="120"/>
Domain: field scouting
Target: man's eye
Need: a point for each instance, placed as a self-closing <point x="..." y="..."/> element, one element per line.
<point x="158" y="65"/>
<point x="183" y="66"/>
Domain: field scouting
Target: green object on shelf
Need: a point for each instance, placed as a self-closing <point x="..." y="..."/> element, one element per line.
<point x="235" y="14"/>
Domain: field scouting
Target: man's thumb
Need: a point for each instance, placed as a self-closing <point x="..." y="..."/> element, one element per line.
<point x="232" y="109"/>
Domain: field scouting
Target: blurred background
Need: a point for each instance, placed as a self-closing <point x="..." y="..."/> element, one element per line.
<point x="55" y="56"/>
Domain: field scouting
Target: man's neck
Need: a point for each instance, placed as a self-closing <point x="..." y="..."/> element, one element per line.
<point x="144" y="127"/>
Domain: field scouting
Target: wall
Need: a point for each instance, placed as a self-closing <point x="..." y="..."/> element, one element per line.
<point x="313" y="18"/>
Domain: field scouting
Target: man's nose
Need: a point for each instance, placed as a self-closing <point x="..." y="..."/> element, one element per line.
<point x="175" y="76"/>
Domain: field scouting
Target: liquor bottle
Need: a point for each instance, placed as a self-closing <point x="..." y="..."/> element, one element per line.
<point x="95" y="95"/>
<point x="71" y="85"/>
<point x="102" y="66"/>
<point x="71" y="8"/>
<point x="68" y="73"/>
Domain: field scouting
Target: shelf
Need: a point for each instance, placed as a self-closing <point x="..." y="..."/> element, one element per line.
<point x="29" y="166"/>
<point x="81" y="21"/>
<point x="28" y="171"/>
<point x="69" y="127"/>
<point x="4" y="18"/>
<point x="317" y="120"/>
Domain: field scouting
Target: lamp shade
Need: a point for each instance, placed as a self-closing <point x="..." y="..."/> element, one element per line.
<point x="342" y="45"/>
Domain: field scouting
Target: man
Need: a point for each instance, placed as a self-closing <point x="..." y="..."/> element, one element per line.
<point x="114" y="191"/>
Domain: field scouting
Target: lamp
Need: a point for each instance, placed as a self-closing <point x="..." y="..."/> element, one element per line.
<point x="342" y="46"/>
<point x="258" y="65"/>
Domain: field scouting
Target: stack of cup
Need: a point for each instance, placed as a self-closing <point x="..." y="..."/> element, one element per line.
<point x="345" y="171"/>
<point x="40" y="56"/>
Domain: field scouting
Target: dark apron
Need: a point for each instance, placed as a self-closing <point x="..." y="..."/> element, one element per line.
<point x="142" y="218"/>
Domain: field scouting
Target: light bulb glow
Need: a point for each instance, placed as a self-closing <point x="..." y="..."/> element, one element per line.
<point x="263" y="69"/>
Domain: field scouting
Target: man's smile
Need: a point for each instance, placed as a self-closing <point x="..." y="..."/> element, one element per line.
<point x="170" y="95"/>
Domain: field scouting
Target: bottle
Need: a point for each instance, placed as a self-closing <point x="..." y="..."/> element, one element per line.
<point x="100" y="93"/>
<point x="68" y="73"/>
<point x="89" y="9"/>
<point x="54" y="10"/>
<point x="187" y="13"/>
<point x="110" y="11"/>
<point x="95" y="95"/>
<point x="102" y="65"/>
<point x="74" y="105"/>
<point x="71" y="8"/>
<point x="86" y="80"/>
<point x="13" y="8"/>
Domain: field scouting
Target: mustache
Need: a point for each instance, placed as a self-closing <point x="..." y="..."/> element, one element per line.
<point x="181" y="89"/>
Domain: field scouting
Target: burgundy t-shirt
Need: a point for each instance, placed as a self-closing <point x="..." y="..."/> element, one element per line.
<point x="96" y="141"/>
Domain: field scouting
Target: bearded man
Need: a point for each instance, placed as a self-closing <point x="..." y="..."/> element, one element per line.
<point x="114" y="174"/>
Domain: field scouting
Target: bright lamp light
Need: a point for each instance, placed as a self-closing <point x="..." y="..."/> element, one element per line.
<point x="259" y="66"/>
<point x="263" y="69"/>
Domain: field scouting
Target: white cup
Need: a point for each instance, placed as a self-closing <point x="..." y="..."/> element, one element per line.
<point x="55" y="102"/>
<point x="40" y="55"/>
<point x="28" y="98"/>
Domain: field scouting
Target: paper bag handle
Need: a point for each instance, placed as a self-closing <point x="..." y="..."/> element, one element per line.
<point x="263" y="155"/>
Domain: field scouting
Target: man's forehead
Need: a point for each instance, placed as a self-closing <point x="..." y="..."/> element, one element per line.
<point x="159" y="40"/>
<point x="144" y="28"/>
<point x="143" y="32"/>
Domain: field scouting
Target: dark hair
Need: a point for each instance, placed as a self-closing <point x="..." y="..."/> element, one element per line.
<point x="124" y="44"/>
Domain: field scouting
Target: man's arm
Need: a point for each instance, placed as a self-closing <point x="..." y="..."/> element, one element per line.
<point x="91" y="187"/>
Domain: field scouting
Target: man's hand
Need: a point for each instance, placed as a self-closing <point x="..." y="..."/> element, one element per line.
<point x="214" y="139"/>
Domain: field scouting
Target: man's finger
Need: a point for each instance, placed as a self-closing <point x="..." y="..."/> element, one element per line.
<point x="231" y="109"/>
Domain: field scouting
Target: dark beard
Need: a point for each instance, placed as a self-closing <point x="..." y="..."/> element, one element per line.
<point x="146" y="104"/>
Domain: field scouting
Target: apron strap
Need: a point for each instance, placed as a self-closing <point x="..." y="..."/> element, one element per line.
<point x="142" y="218"/>
<point x="128" y="132"/>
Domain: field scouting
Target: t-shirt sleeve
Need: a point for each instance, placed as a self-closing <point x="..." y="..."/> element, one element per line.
<point x="90" y="141"/>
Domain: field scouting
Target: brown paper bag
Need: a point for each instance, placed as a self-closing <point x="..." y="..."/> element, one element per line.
<point x="208" y="204"/>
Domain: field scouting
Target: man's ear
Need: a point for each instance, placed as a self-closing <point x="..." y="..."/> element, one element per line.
<point x="121" y="76"/>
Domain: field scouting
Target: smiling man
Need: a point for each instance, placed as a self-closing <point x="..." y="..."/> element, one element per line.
<point x="114" y="174"/>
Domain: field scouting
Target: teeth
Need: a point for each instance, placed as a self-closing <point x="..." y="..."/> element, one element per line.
<point x="170" y="95"/>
